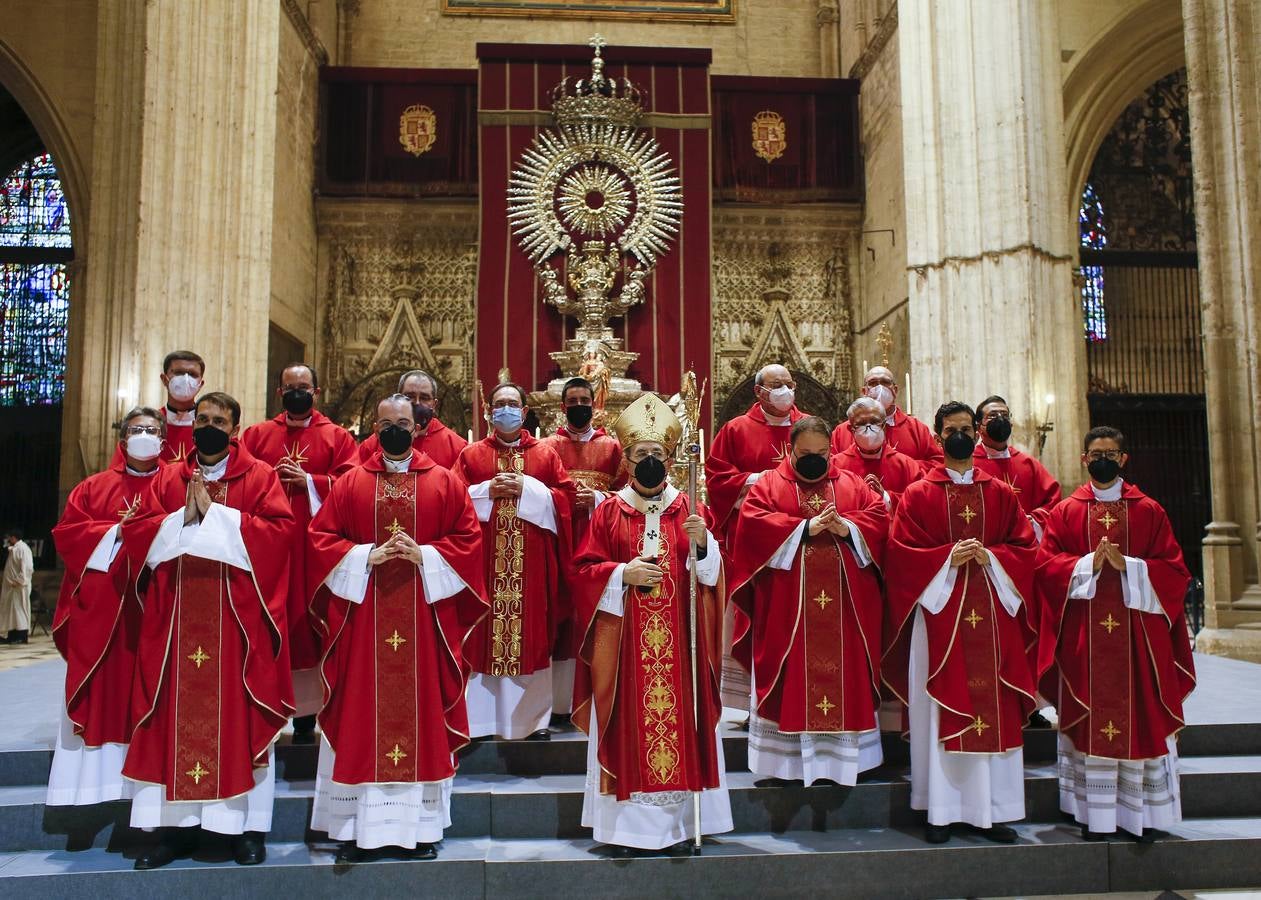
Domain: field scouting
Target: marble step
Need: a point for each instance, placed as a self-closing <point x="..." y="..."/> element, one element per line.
<point x="550" y="806"/>
<point x="874" y="863"/>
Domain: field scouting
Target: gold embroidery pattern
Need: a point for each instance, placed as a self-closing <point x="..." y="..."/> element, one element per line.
<point x="396" y="486"/>
<point x="507" y="605"/>
<point x="1110" y="623"/>
<point x="395" y="640"/>
<point x="1107" y="520"/>
<point x="972" y="618"/>
<point x="660" y="703"/>
<point x="968" y="514"/>
<point x="1110" y="731"/>
<point x="199" y="656"/>
<point x="823" y="600"/>
<point x="396" y="755"/>
<point x="197" y="773"/>
<point x="592" y="480"/>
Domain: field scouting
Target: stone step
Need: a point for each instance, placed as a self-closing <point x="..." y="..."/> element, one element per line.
<point x="550" y="806"/>
<point x="872" y="863"/>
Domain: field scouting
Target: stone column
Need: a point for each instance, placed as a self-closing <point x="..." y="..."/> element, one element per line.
<point x="992" y="303"/>
<point x="1223" y="43"/>
<point x="180" y="238"/>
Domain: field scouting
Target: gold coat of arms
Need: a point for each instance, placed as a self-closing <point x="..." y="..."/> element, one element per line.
<point x="770" y="135"/>
<point x="417" y="129"/>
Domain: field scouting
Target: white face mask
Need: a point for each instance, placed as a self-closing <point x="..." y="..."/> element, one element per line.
<point x="869" y="438"/>
<point x="183" y="387"/>
<point x="143" y="447"/>
<point x="883" y="396"/>
<point x="781" y="397"/>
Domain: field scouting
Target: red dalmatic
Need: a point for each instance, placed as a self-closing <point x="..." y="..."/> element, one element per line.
<point x="179" y="441"/>
<point x="394" y="672"/>
<point x="1035" y="487"/>
<point x="97" y="624"/>
<point x="595" y="464"/>
<point x="212" y="686"/>
<point x="1118" y="675"/>
<point x="816" y="627"/>
<point x="978" y="653"/>
<point x="523" y="561"/>
<point x="325" y="451"/>
<point x="907" y="435"/>
<point x="639" y="664"/>
<point x="439" y="443"/>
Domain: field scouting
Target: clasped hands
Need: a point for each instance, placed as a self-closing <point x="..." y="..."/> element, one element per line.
<point x="290" y="472"/>
<point x="829" y="520"/>
<point x="969" y="550"/>
<point x="399" y="546"/>
<point x="196" y="498"/>
<point x="643" y="572"/>
<point x="1109" y="553"/>
<point x="506" y="485"/>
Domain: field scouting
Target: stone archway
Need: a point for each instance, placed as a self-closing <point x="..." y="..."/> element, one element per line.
<point x="357" y="407"/>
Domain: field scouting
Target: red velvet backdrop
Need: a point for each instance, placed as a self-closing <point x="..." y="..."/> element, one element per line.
<point x="671" y="330"/>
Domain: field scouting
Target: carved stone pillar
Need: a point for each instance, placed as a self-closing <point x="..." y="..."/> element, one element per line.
<point x="827" y="17"/>
<point x="180" y="236"/>
<point x="1223" y="38"/>
<point x="992" y="304"/>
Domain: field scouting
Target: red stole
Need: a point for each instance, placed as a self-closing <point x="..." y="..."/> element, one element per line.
<point x="640" y="662"/>
<point x="523" y="561"/>
<point x="96" y="626"/>
<point x="394" y="672"/>
<point x="1118" y="676"/>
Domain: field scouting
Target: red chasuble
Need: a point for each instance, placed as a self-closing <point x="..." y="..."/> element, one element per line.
<point x="907" y="435"/>
<point x="816" y="627"/>
<point x="1035" y="487"/>
<point x="325" y="451"/>
<point x="742" y="447"/>
<point x="1118" y="676"/>
<point x="523" y="561"/>
<point x="638" y="666"/>
<point x="394" y="673"/>
<point x="594" y="464"/>
<point x="97" y="623"/>
<point x="978" y="654"/>
<point x="895" y="470"/>
<point x="439" y="443"/>
<point x="179" y="440"/>
<point x="212" y="687"/>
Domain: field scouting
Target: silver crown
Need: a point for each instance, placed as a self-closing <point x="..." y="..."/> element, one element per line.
<point x="598" y="98"/>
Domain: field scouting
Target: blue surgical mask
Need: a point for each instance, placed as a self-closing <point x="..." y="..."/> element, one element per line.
<point x="506" y="418"/>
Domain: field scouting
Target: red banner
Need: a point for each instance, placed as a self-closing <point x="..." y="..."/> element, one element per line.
<point x="671" y="330"/>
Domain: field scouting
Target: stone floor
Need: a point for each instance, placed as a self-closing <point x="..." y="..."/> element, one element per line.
<point x="39" y="649"/>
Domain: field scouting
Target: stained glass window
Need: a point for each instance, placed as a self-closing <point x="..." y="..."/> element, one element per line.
<point x="34" y="292"/>
<point x="1094" y="236"/>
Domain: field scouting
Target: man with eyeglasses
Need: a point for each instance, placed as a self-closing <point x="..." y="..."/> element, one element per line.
<point x="396" y="564"/>
<point x="212" y="686"/>
<point x="309" y="452"/>
<point x="903" y="432"/>
<point x="433" y="438"/>
<point x="886" y="471"/>
<point x="1114" y="654"/>
<point x="97" y="623"/>
<point x="523" y="498"/>
<point x="958" y="568"/>
<point x="1035" y="487"/>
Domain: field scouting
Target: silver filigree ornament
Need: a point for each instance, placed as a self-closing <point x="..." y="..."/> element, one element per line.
<point x="595" y="200"/>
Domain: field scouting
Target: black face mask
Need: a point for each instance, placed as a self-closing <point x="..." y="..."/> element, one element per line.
<point x="650" y="472"/>
<point x="297" y="402"/>
<point x="959" y="445"/>
<point x="579" y="417"/>
<point x="811" y="466"/>
<point x="422" y="414"/>
<point x="1103" y="470"/>
<point x="210" y="441"/>
<point x="395" y="440"/>
<point x="998" y="429"/>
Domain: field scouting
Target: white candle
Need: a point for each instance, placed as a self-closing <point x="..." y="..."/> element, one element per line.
<point x="701" y="433"/>
<point x="470" y="435"/>
<point x="536" y="433"/>
<point x="907" y="381"/>
<point x="865" y="369"/>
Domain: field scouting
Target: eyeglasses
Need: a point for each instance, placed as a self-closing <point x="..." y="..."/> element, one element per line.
<point x="1114" y="455"/>
<point x="405" y="424"/>
<point x="142" y="429"/>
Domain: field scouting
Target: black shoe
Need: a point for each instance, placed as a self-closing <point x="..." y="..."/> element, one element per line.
<point x="617" y="851"/>
<point x="1150" y="835"/>
<point x="348" y="854"/>
<point x="936" y="834"/>
<point x="779" y="782"/>
<point x="541" y="735"/>
<point x="304" y="730"/>
<point x="175" y="843"/>
<point x="1092" y="836"/>
<point x="22" y="636"/>
<point x="682" y="848"/>
<point x="999" y="834"/>
<point x="1037" y="720"/>
<point x="248" y="849"/>
<point x="423" y="851"/>
<point x="560" y="720"/>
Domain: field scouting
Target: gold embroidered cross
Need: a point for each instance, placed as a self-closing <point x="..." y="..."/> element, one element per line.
<point x="816" y="502"/>
<point x="1110" y="731"/>
<point x="824" y="706"/>
<point x="1107" y="521"/>
<point x="823" y="600"/>
<point x="968" y="514"/>
<point x="129" y="508"/>
<point x="197" y="773"/>
<point x="972" y="618"/>
<point x="296" y="454"/>
<point x="395" y="639"/>
<point x="980" y="726"/>
<point x="780" y="454"/>
<point x="199" y="657"/>
<point x="1110" y="623"/>
<point x="394" y="528"/>
<point x="395" y="755"/>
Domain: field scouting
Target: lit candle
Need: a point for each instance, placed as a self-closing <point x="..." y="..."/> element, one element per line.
<point x="907" y="380"/>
